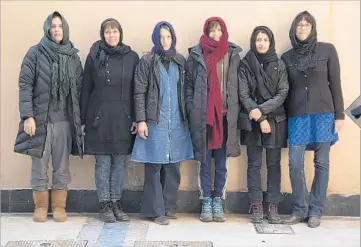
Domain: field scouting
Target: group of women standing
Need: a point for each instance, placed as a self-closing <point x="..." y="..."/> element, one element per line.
<point x="163" y="109"/>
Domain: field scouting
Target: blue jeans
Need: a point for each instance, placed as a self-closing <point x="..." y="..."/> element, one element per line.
<point x="109" y="176"/>
<point x="220" y="178"/>
<point x="305" y="205"/>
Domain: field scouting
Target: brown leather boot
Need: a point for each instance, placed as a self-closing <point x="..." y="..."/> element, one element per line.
<point x="41" y="201"/>
<point x="58" y="203"/>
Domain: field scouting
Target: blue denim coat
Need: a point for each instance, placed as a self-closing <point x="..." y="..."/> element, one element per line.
<point x="169" y="140"/>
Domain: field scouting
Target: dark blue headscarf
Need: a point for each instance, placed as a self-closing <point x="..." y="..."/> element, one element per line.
<point x="157" y="48"/>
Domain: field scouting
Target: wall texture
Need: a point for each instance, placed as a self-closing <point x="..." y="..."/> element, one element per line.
<point x="21" y="27"/>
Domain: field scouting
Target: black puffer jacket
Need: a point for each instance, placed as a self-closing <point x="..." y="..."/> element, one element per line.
<point x="147" y="88"/>
<point x="196" y="101"/>
<point x="34" y="98"/>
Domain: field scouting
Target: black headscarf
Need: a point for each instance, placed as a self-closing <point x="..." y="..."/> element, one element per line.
<point x="64" y="64"/>
<point x="266" y="76"/>
<point x="270" y="55"/>
<point x="100" y="48"/>
<point x="303" y="50"/>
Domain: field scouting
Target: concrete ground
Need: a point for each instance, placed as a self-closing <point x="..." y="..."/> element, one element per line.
<point x="237" y="231"/>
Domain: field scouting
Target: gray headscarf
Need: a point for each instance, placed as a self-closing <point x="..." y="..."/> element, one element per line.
<point x="62" y="54"/>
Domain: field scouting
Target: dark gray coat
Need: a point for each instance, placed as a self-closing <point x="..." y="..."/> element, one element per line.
<point x="147" y="88"/>
<point x="272" y="109"/>
<point x="34" y="98"/>
<point x="196" y="101"/>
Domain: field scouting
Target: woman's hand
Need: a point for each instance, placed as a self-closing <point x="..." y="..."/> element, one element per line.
<point x="30" y="126"/>
<point x="265" y="127"/>
<point x="255" y="114"/>
<point x="143" y="130"/>
<point x="339" y="125"/>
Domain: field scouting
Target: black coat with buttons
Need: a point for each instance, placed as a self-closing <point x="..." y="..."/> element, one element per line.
<point x="107" y="108"/>
<point x="319" y="89"/>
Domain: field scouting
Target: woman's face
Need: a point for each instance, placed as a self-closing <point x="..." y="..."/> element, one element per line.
<point x="165" y="39"/>
<point x="215" y="33"/>
<point x="112" y="36"/>
<point x="262" y="43"/>
<point x="303" y="30"/>
<point x="56" y="29"/>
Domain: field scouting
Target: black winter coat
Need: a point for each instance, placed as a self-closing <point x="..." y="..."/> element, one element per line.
<point x="319" y="89"/>
<point x="106" y="104"/>
<point x="34" y="99"/>
<point x="196" y="101"/>
<point x="147" y="88"/>
<point x="272" y="109"/>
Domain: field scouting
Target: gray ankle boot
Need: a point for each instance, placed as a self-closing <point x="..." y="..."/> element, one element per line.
<point x="218" y="214"/>
<point x="206" y="214"/>
<point x="106" y="212"/>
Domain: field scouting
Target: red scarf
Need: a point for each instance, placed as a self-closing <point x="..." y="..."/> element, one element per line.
<point x="213" y="52"/>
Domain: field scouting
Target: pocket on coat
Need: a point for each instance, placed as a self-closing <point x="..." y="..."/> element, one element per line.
<point x="321" y="64"/>
<point x="21" y="126"/>
<point x="244" y="123"/>
<point x="280" y="118"/>
<point x="96" y="120"/>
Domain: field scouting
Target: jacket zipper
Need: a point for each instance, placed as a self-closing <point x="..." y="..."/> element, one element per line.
<point x="46" y="120"/>
<point x="122" y="82"/>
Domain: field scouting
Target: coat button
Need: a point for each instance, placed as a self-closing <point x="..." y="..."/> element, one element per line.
<point x="97" y="117"/>
<point x="108" y="80"/>
<point x="108" y="71"/>
<point x="305" y="75"/>
<point x="306" y="88"/>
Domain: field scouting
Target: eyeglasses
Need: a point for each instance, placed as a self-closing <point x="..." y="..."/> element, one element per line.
<point x="304" y="27"/>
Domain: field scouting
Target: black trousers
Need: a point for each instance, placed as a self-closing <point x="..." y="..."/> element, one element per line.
<point x="161" y="183"/>
<point x="273" y="158"/>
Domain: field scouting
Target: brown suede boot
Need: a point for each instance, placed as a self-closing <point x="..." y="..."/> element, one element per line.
<point x="58" y="203"/>
<point x="41" y="201"/>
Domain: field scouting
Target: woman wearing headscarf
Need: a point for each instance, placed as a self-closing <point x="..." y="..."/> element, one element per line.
<point x="211" y="95"/>
<point x="263" y="88"/>
<point x="49" y="88"/>
<point x="107" y="115"/>
<point x="163" y="139"/>
<point x="316" y="114"/>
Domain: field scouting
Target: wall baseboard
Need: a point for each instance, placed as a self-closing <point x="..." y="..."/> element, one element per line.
<point x="86" y="201"/>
